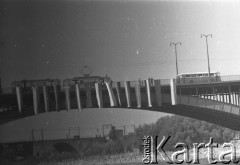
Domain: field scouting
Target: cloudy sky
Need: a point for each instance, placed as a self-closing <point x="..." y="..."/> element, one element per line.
<point x="124" y="39"/>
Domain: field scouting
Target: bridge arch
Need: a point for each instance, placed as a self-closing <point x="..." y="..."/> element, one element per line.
<point x="199" y="101"/>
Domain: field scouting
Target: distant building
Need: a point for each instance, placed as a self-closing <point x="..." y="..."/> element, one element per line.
<point x="130" y="134"/>
<point x="236" y="137"/>
<point x="115" y="133"/>
<point x="119" y="133"/>
<point x="86" y="71"/>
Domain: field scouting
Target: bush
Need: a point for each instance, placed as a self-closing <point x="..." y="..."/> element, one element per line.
<point x="8" y="154"/>
<point x="110" y="147"/>
<point x="64" y="147"/>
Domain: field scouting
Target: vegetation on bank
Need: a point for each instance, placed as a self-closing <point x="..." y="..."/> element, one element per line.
<point x="185" y="130"/>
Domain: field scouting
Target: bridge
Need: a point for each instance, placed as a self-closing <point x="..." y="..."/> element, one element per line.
<point x="214" y="102"/>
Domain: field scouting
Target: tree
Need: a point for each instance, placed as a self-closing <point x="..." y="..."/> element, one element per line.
<point x="112" y="133"/>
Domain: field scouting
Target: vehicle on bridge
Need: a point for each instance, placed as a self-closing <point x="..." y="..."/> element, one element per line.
<point x="198" y="77"/>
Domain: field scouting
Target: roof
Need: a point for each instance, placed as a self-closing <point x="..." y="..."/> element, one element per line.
<point x="196" y="73"/>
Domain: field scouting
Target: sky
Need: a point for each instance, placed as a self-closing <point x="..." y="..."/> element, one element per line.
<point x="56" y="125"/>
<point x="126" y="40"/>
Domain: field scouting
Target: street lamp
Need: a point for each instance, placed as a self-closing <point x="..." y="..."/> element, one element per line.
<point x="206" y="36"/>
<point x="175" y="45"/>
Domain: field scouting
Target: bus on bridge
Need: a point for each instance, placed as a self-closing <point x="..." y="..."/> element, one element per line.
<point x="198" y="77"/>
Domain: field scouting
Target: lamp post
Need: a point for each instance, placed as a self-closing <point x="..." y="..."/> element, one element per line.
<point x="175" y="45"/>
<point x="206" y="36"/>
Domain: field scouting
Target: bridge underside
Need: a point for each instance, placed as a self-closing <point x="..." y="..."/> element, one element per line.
<point x="205" y="114"/>
<point x="209" y="115"/>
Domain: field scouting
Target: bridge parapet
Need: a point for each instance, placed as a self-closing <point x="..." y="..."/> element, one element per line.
<point x="210" y="104"/>
<point x="34" y="85"/>
<point x="230" y="78"/>
<point x="226" y="92"/>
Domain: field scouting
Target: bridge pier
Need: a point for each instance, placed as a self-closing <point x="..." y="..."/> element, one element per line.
<point x="229" y="95"/>
<point x="19" y="98"/>
<point x="148" y="88"/>
<point x="35" y="92"/>
<point x="56" y="96"/>
<point x="78" y="97"/>
<point x="46" y="98"/>
<point x="67" y="98"/>
<point x="98" y="88"/>
<point x="87" y="87"/>
<point x="118" y="93"/>
<point x="173" y="91"/>
<point x="112" y="98"/>
<point x="214" y="95"/>
<point x="225" y="97"/>
<point x="196" y="89"/>
<point x="235" y="98"/>
<point x="218" y="96"/>
<point x="238" y="99"/>
<point x="127" y="92"/>
<point x="138" y="94"/>
<point x="222" y="95"/>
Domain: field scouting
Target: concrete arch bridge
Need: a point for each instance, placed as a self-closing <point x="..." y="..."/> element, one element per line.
<point x="215" y="102"/>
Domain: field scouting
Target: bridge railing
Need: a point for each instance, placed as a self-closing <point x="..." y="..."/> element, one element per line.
<point x="140" y="93"/>
<point x="230" y="78"/>
<point x="206" y="103"/>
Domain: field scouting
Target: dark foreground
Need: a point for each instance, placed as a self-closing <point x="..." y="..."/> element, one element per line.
<point x="71" y="159"/>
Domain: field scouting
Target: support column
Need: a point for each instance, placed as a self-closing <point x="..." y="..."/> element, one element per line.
<point x="88" y="95"/>
<point x="213" y="93"/>
<point x="46" y="98"/>
<point x="158" y="92"/>
<point x="19" y="98"/>
<point x="236" y="100"/>
<point x="127" y="91"/>
<point x="229" y="94"/>
<point x="138" y="94"/>
<point x="55" y="88"/>
<point x="173" y="91"/>
<point x="67" y="98"/>
<point x="223" y="99"/>
<point x="98" y="88"/>
<point x="148" y="88"/>
<point x="239" y="101"/>
<point x="235" y="97"/>
<point x="112" y="98"/>
<point x="163" y="93"/>
<point x="118" y="93"/>
<point x="197" y="92"/>
<point x="78" y="97"/>
<point x="216" y="93"/>
<point x="35" y="92"/>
